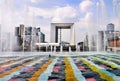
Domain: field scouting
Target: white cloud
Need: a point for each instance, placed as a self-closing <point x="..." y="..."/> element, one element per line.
<point x="86" y="22"/>
<point x="45" y="13"/>
<point x="57" y="14"/>
<point x="85" y="5"/>
<point x="35" y="1"/>
<point x="63" y="13"/>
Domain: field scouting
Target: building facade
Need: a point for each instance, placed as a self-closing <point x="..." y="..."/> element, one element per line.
<point x="58" y="26"/>
<point x="27" y="37"/>
<point x="109" y="39"/>
<point x="110" y="27"/>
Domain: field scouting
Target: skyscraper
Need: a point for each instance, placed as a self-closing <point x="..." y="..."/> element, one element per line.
<point x="110" y="27"/>
<point x="17" y="31"/>
<point x="27" y="37"/>
<point x="21" y="29"/>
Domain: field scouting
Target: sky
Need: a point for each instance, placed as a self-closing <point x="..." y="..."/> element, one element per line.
<point x="88" y="16"/>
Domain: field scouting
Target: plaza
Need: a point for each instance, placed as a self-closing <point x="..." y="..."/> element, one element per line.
<point x="59" y="40"/>
<point x="59" y="67"/>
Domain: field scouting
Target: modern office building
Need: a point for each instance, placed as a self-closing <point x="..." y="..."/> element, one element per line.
<point x="42" y="37"/>
<point x="58" y="26"/>
<point x="17" y="31"/>
<point x="21" y="29"/>
<point x="28" y="30"/>
<point x="28" y="36"/>
<point x="110" y="27"/>
<point x="109" y="39"/>
<point x="114" y="39"/>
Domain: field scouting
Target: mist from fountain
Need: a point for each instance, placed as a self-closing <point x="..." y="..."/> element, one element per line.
<point x="104" y="15"/>
<point x="119" y="15"/>
<point x="97" y="24"/>
<point x="7" y="23"/>
<point x="103" y="20"/>
<point x="115" y="8"/>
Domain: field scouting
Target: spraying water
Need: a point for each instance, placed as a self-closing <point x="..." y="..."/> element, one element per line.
<point x="104" y="16"/>
<point x="97" y="24"/>
<point x="115" y="8"/>
<point x="6" y="24"/>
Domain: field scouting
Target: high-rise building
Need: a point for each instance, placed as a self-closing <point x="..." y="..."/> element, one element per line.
<point x="28" y="30"/>
<point x="21" y="29"/>
<point x="27" y="37"/>
<point x="17" y="31"/>
<point x="110" y="27"/>
<point x="109" y="39"/>
<point x="42" y="37"/>
<point x="38" y="31"/>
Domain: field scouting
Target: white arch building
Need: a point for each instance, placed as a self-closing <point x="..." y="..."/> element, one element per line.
<point x="54" y="31"/>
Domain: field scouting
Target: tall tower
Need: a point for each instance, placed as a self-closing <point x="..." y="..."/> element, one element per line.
<point x="110" y="27"/>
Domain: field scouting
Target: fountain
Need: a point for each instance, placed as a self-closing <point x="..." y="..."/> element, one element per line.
<point x="69" y="49"/>
<point x="115" y="8"/>
<point x="101" y="21"/>
<point x="7" y="17"/>
<point x="116" y="14"/>
<point x="104" y="16"/>
<point x="97" y="24"/>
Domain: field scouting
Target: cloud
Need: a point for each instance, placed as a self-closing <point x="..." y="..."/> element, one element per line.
<point x="62" y="14"/>
<point x="86" y="22"/>
<point x="86" y="5"/>
<point x="45" y="13"/>
<point x="57" y="14"/>
<point x="35" y="1"/>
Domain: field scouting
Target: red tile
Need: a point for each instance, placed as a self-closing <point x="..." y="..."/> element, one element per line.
<point x="81" y="68"/>
<point x="51" y="80"/>
<point x="90" y="79"/>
